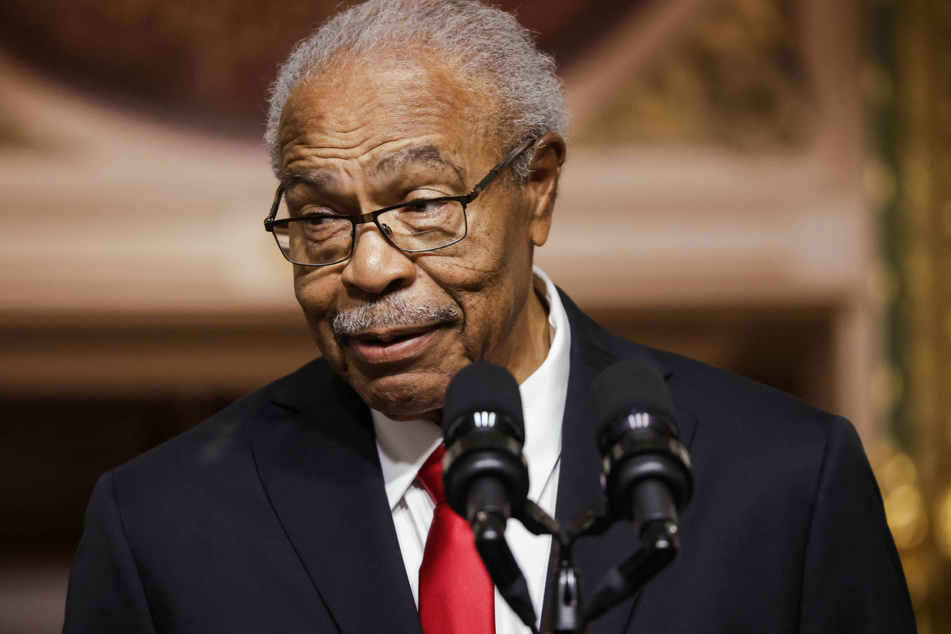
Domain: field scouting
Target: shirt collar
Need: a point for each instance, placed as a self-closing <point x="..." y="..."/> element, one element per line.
<point x="544" y="393"/>
<point x="405" y="445"/>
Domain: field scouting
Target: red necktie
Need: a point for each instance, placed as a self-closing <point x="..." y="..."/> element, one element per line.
<point x="456" y="595"/>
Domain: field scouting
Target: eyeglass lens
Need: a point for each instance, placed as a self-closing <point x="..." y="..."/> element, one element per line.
<point x="417" y="226"/>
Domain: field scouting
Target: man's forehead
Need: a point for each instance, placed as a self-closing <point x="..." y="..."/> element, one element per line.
<point x="359" y="88"/>
<point x="360" y="106"/>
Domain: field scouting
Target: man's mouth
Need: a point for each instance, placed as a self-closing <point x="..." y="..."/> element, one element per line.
<point x="392" y="344"/>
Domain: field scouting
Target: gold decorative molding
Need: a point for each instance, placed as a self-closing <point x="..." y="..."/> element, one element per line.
<point x="736" y="78"/>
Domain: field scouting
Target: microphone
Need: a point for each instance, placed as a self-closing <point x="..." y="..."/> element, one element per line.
<point x="647" y="471"/>
<point x="484" y="472"/>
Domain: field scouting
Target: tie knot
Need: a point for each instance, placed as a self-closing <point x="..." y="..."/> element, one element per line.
<point x="430" y="475"/>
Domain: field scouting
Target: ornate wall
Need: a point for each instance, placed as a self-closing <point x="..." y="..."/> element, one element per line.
<point x="908" y="86"/>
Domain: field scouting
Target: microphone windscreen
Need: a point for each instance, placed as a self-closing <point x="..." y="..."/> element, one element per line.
<point x="627" y="386"/>
<point x="483" y="387"/>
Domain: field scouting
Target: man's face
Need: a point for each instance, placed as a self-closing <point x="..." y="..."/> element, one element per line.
<point x="360" y="140"/>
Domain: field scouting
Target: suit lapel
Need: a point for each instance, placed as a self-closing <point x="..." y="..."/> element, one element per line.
<point x="318" y="461"/>
<point x="592" y="351"/>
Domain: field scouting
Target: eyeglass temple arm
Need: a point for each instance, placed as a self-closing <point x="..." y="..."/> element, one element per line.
<point x="274" y="205"/>
<point x="511" y="156"/>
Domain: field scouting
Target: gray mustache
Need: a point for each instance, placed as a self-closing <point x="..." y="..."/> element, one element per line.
<point x="392" y="311"/>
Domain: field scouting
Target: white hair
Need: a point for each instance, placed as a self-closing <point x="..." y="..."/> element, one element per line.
<point x="390" y="311"/>
<point x="485" y="46"/>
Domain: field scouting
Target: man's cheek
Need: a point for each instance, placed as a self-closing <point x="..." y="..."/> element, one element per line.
<point x="315" y="297"/>
<point x="318" y="313"/>
<point x="476" y="333"/>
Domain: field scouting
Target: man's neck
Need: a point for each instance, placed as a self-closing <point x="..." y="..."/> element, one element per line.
<point x="536" y="340"/>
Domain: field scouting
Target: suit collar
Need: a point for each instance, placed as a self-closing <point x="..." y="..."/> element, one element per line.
<point x="317" y="458"/>
<point x="593" y="350"/>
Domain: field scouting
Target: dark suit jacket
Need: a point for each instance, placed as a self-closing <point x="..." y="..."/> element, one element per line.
<point x="272" y="517"/>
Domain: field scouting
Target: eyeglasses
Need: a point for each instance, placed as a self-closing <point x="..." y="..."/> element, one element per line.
<point x="322" y="239"/>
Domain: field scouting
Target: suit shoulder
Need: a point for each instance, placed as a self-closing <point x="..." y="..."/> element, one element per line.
<point x="721" y="404"/>
<point x="743" y="427"/>
<point x="717" y="391"/>
<point x="221" y="437"/>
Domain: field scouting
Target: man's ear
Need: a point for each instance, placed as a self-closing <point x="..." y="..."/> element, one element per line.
<point x="548" y="155"/>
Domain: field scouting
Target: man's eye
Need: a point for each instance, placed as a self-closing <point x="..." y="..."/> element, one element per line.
<point x="317" y="216"/>
<point x="424" y="206"/>
<point x="320" y="227"/>
<point x="315" y="221"/>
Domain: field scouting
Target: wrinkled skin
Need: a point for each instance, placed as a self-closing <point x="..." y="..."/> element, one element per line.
<point x="335" y="133"/>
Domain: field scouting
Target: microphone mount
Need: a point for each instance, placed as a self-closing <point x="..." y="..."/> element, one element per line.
<point x="571" y="611"/>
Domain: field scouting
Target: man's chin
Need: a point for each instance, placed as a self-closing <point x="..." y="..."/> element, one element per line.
<point x="404" y="396"/>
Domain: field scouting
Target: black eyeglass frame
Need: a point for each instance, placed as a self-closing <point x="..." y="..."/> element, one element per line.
<point x="270" y="222"/>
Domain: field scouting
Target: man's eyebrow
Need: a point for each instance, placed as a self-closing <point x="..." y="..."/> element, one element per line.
<point x="317" y="180"/>
<point x="428" y="155"/>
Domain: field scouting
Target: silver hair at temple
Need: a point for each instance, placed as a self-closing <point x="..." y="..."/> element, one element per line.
<point x="484" y="45"/>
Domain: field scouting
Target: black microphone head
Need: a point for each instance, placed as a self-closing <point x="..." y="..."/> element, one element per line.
<point x="630" y="386"/>
<point x="484" y="433"/>
<point x="647" y="471"/>
<point x="483" y="387"/>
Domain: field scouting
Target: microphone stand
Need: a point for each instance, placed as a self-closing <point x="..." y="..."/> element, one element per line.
<point x="570" y="613"/>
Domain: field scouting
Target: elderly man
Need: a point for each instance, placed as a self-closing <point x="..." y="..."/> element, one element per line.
<point x="418" y="145"/>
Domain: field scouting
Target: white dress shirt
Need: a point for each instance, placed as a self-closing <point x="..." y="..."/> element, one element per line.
<point x="404" y="447"/>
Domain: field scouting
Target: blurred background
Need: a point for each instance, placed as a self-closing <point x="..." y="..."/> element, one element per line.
<point x="760" y="184"/>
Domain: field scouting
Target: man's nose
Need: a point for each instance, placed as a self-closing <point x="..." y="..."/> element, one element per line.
<point x="376" y="266"/>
